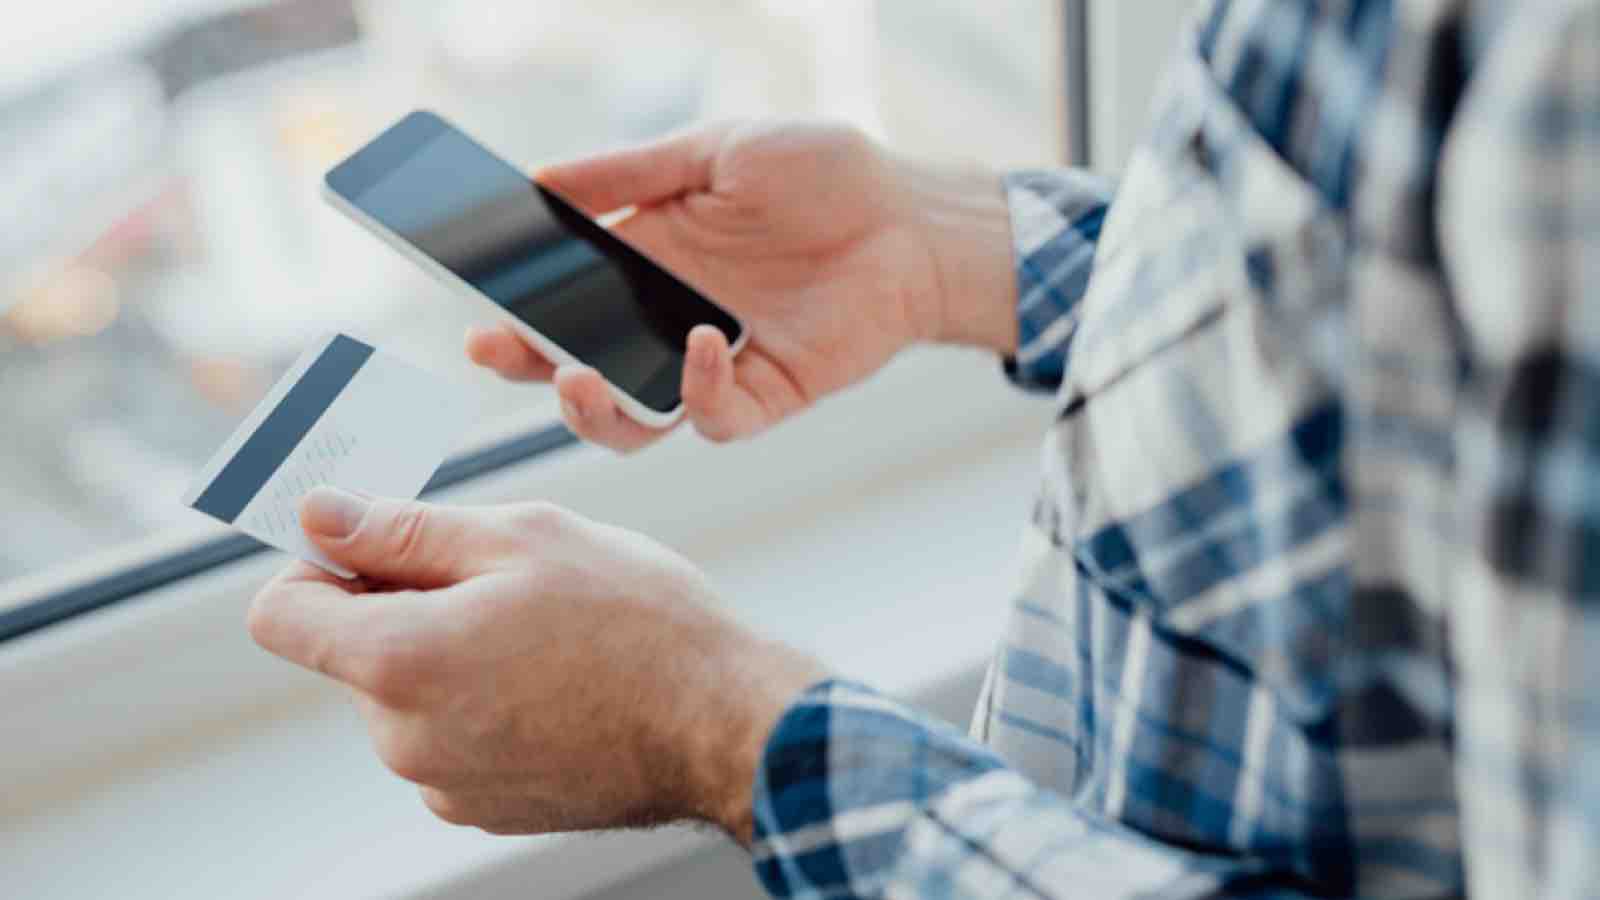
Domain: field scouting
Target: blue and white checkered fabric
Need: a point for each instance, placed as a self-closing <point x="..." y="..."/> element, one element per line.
<point x="1310" y="600"/>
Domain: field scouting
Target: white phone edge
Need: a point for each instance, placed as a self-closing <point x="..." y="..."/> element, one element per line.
<point x="552" y="351"/>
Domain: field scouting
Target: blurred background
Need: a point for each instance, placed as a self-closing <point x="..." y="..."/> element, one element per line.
<point x="164" y="254"/>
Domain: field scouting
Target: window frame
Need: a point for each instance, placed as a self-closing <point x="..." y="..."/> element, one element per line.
<point x="1076" y="84"/>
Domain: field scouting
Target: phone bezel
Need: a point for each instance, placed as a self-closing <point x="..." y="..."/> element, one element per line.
<point x="630" y="405"/>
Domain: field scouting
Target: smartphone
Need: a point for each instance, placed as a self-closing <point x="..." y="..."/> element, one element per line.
<point x="568" y="284"/>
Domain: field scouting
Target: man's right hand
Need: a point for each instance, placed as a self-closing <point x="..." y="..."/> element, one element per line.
<point x="835" y="254"/>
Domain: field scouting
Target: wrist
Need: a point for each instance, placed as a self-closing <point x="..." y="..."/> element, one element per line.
<point x="759" y="681"/>
<point x="964" y="223"/>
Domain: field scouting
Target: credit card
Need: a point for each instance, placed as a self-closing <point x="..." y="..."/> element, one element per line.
<point x="345" y="415"/>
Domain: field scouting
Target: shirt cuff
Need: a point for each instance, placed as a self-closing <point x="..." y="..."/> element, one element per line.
<point x="1056" y="218"/>
<point x="844" y="774"/>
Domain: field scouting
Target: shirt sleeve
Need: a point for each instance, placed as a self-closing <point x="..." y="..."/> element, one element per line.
<point x="1520" y="235"/>
<point x="859" y="797"/>
<point x="1055" y="224"/>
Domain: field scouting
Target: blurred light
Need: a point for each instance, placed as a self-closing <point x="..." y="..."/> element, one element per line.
<point x="314" y="128"/>
<point x="227" y="383"/>
<point x="78" y="301"/>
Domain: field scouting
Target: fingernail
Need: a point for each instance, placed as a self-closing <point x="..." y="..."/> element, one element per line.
<point x="332" y="512"/>
<point x="571" y="410"/>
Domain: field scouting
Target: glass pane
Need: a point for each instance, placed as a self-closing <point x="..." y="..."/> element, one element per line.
<point x="977" y="81"/>
<point x="164" y="253"/>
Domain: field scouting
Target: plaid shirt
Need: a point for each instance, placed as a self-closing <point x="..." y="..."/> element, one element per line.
<point x="1310" y="600"/>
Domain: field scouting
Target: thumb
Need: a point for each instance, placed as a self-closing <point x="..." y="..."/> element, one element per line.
<point x="638" y="176"/>
<point x="405" y="542"/>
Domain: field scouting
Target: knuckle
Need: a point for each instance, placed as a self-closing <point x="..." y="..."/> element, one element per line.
<point x="406" y="530"/>
<point x="406" y="758"/>
<point x="382" y="678"/>
<point x="410" y="766"/>
<point x="260" y="619"/>
<point x="446" y="807"/>
<point x="717" y="432"/>
<point x="853" y="143"/>
<point x="553" y="577"/>
<point x="393" y="669"/>
<point x="621" y="441"/>
<point x="322" y="658"/>
<point x="540" y="518"/>
<point x="594" y="432"/>
<point x="840" y="141"/>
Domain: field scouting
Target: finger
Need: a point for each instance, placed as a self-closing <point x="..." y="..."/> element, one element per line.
<point x="661" y="235"/>
<point x="404" y="542"/>
<point x="309" y="618"/>
<point x="481" y="809"/>
<point x="592" y="413"/>
<point x="717" y="405"/>
<point x="503" y="350"/>
<point x="408" y="741"/>
<point x="638" y="176"/>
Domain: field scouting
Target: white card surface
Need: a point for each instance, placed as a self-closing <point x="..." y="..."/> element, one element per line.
<point x="344" y="415"/>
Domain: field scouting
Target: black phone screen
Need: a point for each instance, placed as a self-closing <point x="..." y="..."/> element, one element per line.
<point x="532" y="253"/>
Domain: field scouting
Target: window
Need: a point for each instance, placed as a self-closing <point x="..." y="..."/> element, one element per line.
<point x="164" y="254"/>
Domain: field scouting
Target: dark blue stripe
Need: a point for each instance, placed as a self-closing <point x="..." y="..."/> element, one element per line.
<point x="1029" y="726"/>
<point x="1415" y="856"/>
<point x="1034" y="671"/>
<point x="264" y="452"/>
<point x="1192" y="811"/>
<point x="1090" y="224"/>
<point x="1281" y="93"/>
<point x="1213" y="27"/>
<point x="1246" y="883"/>
<point x="1370" y="28"/>
<point x="821" y="868"/>
<point x="1038" y="612"/>
<point x="1271" y="84"/>
<point x="1312" y="449"/>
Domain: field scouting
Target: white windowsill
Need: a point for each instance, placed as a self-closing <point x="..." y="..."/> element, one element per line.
<point x="150" y="750"/>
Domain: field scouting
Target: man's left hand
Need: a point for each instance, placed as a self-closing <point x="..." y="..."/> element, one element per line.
<point x="531" y="670"/>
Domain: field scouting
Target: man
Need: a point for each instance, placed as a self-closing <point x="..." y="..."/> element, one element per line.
<point x="1308" y="604"/>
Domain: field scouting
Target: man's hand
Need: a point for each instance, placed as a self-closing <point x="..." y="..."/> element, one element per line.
<point x="835" y="254"/>
<point x="531" y="670"/>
